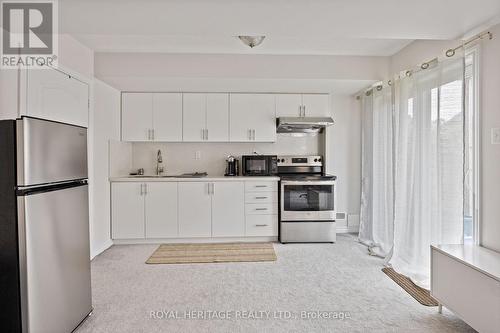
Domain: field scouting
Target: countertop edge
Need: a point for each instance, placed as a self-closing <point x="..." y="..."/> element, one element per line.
<point x="201" y="179"/>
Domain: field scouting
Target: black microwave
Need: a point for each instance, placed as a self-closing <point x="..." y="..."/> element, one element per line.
<point x="259" y="165"/>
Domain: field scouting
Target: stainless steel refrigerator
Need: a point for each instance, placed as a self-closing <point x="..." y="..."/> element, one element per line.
<point x="44" y="226"/>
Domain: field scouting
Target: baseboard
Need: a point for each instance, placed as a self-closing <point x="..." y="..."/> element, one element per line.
<point x="193" y="240"/>
<point x="101" y="249"/>
<point x="345" y="230"/>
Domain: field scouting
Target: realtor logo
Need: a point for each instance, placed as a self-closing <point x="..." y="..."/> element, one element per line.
<point x="29" y="36"/>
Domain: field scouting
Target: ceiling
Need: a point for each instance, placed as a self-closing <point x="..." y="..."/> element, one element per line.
<point x="322" y="27"/>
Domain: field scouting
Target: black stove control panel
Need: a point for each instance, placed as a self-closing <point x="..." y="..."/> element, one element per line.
<point x="297" y="161"/>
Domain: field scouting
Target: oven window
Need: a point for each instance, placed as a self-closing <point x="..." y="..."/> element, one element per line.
<point x="308" y="197"/>
<point x="256" y="165"/>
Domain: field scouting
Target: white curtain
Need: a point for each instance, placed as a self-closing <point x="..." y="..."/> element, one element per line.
<point x="376" y="225"/>
<point x="428" y="157"/>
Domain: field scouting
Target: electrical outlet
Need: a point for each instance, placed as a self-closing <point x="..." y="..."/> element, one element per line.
<point x="197" y="155"/>
<point x="495" y="136"/>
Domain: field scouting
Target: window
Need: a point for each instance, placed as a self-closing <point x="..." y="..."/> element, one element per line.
<point x="471" y="150"/>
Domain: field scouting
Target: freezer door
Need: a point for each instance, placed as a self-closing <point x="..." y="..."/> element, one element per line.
<point x="54" y="259"/>
<point x="50" y="152"/>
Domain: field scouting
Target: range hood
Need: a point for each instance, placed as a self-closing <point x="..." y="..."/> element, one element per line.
<point x="302" y="125"/>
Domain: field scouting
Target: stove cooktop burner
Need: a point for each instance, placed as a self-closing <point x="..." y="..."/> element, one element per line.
<point x="307" y="177"/>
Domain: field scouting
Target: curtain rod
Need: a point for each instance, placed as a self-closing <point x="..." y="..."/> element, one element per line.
<point x="449" y="53"/>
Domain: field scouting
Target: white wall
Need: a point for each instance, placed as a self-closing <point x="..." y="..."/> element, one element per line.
<point x="76" y="57"/>
<point x="344" y="155"/>
<point x="158" y="65"/>
<point x="106" y="126"/>
<point x="180" y="157"/>
<point x="9" y="104"/>
<point x="490" y="118"/>
<point x="420" y="51"/>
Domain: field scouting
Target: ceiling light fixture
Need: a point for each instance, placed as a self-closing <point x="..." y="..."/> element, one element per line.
<point x="252" y="41"/>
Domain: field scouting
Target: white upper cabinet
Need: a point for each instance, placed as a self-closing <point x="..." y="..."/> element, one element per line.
<point x="161" y="210"/>
<point x="252" y="118"/>
<point x="167" y="117"/>
<point x="213" y="117"/>
<point x="194" y="117"/>
<point x="217" y="118"/>
<point x="228" y="209"/>
<point x="316" y="105"/>
<point x="137" y="116"/>
<point x="206" y="117"/>
<point x="288" y="105"/>
<point x="56" y="96"/>
<point x="302" y="105"/>
<point x="152" y="117"/>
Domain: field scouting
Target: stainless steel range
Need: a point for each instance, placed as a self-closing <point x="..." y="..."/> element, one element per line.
<point x="307" y="200"/>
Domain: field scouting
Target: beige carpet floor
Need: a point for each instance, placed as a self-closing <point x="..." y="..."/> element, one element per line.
<point x="336" y="279"/>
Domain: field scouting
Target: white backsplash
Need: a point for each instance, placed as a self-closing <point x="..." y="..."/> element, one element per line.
<point x="181" y="157"/>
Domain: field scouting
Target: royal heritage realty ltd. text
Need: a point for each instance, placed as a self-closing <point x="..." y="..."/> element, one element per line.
<point x="248" y="315"/>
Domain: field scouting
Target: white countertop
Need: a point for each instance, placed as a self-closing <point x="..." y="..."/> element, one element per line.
<point x="199" y="179"/>
<point x="478" y="257"/>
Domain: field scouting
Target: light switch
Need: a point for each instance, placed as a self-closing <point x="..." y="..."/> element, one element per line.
<point x="495" y="136"/>
<point x="197" y="155"/>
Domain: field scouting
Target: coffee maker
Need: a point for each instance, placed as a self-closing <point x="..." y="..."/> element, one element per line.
<point x="232" y="166"/>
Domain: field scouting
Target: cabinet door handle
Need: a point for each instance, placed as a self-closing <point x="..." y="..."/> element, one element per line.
<point x="260" y="208"/>
<point x="153" y="133"/>
<point x="206" y="134"/>
<point x="261" y="225"/>
<point x="149" y="134"/>
<point x="260" y="197"/>
<point x="254" y="135"/>
<point x="145" y="189"/>
<point x="249" y="134"/>
<point x="304" y="110"/>
<point x="260" y="185"/>
<point x="142" y="191"/>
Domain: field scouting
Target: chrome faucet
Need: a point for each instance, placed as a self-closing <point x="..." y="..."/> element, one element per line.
<point x="159" y="161"/>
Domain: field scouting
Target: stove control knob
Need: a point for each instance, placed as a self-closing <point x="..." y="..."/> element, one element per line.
<point x="319" y="160"/>
<point x="315" y="160"/>
<point x="282" y="160"/>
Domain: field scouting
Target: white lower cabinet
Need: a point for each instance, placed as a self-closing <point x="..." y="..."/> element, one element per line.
<point x="127" y="210"/>
<point x="144" y="210"/>
<point x="261" y="208"/>
<point x="261" y="225"/>
<point x="228" y="209"/>
<point x="155" y="210"/>
<point x="195" y="208"/>
<point x="161" y="210"/>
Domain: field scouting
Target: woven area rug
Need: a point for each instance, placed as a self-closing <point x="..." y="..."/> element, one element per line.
<point x="215" y="252"/>
<point x="422" y="295"/>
